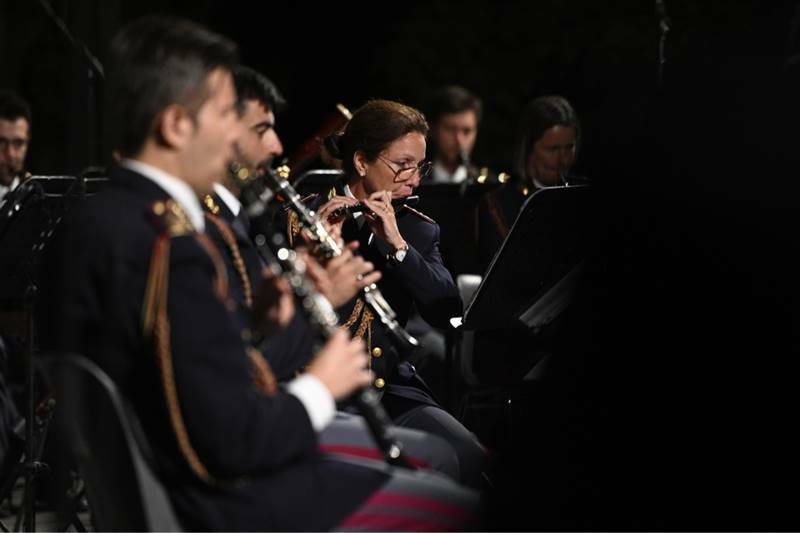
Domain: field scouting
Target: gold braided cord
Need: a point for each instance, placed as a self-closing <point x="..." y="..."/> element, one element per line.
<point x="155" y="319"/>
<point x="238" y="262"/>
<point x="355" y="314"/>
<point x="263" y="376"/>
<point x="156" y="305"/>
<point x="292" y="227"/>
<point x="155" y="279"/>
<point x="366" y="320"/>
<point x="221" y="276"/>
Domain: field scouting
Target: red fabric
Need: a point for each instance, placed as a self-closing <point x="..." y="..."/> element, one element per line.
<point x="367" y="518"/>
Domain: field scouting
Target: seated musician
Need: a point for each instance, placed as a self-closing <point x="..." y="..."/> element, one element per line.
<point x="454" y="114"/>
<point x="290" y="349"/>
<point x="546" y="147"/>
<point x="15" y="136"/>
<point x="137" y="285"/>
<point x="382" y="150"/>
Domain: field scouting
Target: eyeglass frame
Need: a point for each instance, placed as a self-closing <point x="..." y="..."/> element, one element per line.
<point x="426" y="165"/>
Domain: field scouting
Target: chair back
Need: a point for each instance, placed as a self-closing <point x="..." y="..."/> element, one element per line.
<point x="103" y="437"/>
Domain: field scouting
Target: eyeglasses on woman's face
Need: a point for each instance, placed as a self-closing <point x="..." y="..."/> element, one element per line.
<point x="402" y="173"/>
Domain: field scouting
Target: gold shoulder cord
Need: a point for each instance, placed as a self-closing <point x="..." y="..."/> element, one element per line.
<point x="263" y="377"/>
<point x="238" y="262"/>
<point x="173" y="222"/>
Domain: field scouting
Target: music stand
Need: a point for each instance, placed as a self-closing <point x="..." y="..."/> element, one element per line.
<point x="533" y="275"/>
<point x="28" y="217"/>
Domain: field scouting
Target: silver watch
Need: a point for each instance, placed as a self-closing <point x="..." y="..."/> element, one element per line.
<point x="398" y="255"/>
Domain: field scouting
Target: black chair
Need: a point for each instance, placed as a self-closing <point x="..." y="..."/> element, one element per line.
<point x="104" y="440"/>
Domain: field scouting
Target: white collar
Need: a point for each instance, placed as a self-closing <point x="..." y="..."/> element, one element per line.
<point x="349" y="194"/>
<point x="228" y="199"/>
<point x="178" y="189"/>
<point x="8" y="188"/>
<point x="4" y="190"/>
<point x="441" y="175"/>
<point x="357" y="216"/>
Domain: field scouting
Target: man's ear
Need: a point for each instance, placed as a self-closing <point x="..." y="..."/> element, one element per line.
<point x="360" y="163"/>
<point x="174" y="127"/>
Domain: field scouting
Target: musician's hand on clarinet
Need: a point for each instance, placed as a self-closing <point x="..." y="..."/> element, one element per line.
<point x="382" y="219"/>
<point x="341" y="365"/>
<point x="343" y="276"/>
<point x="273" y="304"/>
<point x="332" y="212"/>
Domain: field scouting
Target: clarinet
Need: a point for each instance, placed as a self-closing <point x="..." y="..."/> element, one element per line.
<point x="285" y="263"/>
<point x="328" y="246"/>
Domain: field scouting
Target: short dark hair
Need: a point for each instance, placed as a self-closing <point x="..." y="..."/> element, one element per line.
<point x="453" y="99"/>
<point x="158" y="61"/>
<point x="540" y="115"/>
<point x="252" y="85"/>
<point x="13" y="107"/>
<point x="374" y="126"/>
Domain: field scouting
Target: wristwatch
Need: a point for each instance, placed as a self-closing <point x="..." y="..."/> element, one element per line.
<point x="398" y="255"/>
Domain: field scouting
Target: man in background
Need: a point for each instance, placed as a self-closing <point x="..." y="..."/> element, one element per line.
<point x="15" y="135"/>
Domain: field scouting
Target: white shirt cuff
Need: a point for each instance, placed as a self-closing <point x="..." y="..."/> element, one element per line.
<point x="316" y="398"/>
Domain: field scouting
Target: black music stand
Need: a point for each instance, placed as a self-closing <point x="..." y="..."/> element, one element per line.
<point x="533" y="274"/>
<point x="28" y="217"/>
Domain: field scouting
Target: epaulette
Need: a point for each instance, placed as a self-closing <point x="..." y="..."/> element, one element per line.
<point x="423" y="216"/>
<point x="210" y="205"/>
<point x="171" y="219"/>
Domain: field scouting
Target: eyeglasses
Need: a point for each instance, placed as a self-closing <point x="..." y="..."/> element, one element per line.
<point x="404" y="173"/>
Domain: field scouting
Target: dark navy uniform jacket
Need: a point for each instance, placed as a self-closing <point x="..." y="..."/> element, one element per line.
<point x="420" y="280"/>
<point x="261" y="450"/>
<point x="289" y="349"/>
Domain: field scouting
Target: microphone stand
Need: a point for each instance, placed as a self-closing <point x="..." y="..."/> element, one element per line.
<point x="94" y="73"/>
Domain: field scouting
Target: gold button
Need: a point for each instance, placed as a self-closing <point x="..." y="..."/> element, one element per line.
<point x="377" y="352"/>
<point x="380" y="383"/>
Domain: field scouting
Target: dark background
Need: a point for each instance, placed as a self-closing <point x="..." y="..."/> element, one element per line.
<point x="602" y="58"/>
<point x="675" y="404"/>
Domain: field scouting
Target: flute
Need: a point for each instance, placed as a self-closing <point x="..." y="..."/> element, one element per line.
<point x="349" y="210"/>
